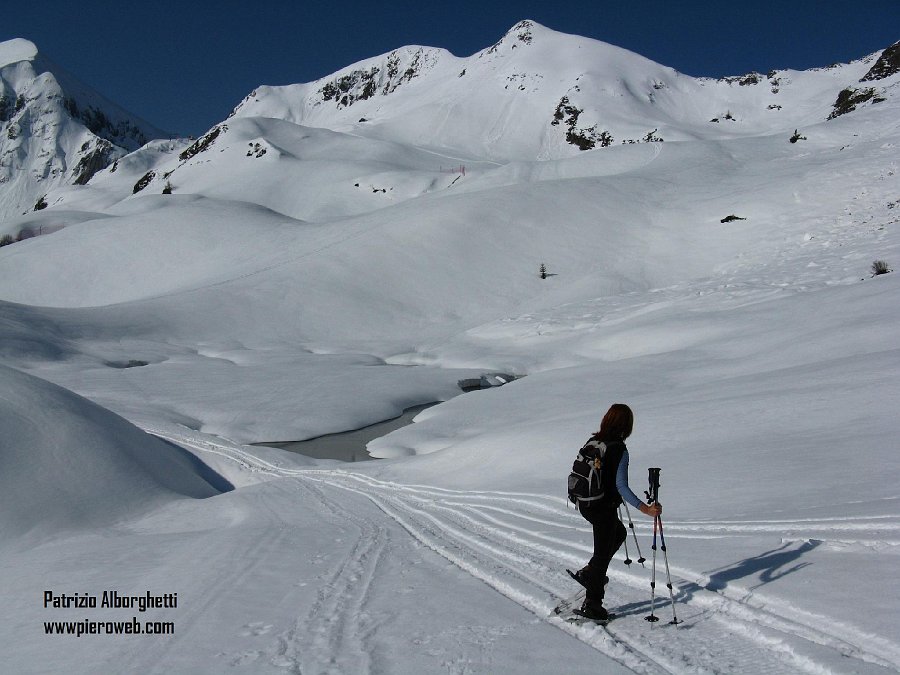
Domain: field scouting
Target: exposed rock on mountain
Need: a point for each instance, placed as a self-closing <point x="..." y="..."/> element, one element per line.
<point x="54" y="130"/>
<point x="887" y="64"/>
<point x="850" y="98"/>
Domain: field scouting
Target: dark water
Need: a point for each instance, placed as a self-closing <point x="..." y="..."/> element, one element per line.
<point x="349" y="446"/>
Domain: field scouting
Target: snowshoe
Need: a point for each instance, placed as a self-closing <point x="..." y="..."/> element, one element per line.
<point x="594" y="612"/>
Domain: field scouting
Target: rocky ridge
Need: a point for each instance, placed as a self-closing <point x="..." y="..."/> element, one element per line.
<point x="54" y="130"/>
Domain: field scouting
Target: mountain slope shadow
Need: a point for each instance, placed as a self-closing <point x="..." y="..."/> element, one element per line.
<point x="215" y="479"/>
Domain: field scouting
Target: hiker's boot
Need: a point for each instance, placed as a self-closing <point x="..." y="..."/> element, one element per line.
<point x="594" y="610"/>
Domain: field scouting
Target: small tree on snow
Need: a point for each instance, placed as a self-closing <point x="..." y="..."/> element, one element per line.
<point x="880" y="267"/>
<point x="543" y="272"/>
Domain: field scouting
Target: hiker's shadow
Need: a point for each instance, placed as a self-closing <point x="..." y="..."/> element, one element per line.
<point x="767" y="567"/>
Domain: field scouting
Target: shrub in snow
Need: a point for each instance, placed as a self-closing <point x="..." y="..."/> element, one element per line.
<point x="880" y="267"/>
<point x="41" y="203"/>
<point x="797" y="137"/>
<point x="6" y="240"/>
<point x="731" y="218"/>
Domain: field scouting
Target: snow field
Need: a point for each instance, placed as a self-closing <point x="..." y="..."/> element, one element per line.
<point x="270" y="298"/>
<point x="72" y="466"/>
<point x="517" y="543"/>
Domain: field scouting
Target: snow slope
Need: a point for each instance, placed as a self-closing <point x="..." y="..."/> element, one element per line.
<point x="310" y="273"/>
<point x="70" y="466"/>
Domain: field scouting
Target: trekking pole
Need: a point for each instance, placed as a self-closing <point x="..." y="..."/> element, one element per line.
<point x="652" y="495"/>
<point x="628" y="560"/>
<point x="662" y="538"/>
<point x="653" y="618"/>
<point x="641" y="558"/>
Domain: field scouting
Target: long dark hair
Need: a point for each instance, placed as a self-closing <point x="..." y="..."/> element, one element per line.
<point x="617" y="423"/>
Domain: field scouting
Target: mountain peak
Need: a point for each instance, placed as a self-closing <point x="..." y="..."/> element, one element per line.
<point x="54" y="130"/>
<point x="521" y="34"/>
<point x="524" y="31"/>
<point x="17" y="49"/>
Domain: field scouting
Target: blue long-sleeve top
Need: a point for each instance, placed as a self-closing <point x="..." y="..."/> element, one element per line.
<point x="622" y="482"/>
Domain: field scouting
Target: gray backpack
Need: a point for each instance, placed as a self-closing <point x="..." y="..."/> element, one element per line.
<point x="584" y="479"/>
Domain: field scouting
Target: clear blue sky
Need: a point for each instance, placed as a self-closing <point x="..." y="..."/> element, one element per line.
<point x="183" y="65"/>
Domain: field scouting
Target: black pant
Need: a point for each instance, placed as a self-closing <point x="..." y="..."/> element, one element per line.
<point x="609" y="533"/>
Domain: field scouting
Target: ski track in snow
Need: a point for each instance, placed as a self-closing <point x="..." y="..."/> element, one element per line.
<point x="332" y="636"/>
<point x="518" y="544"/>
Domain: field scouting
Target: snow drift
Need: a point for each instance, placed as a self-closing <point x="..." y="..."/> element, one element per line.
<point x="68" y="464"/>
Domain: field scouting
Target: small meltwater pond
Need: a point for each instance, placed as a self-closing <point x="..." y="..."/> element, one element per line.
<point x="349" y="446"/>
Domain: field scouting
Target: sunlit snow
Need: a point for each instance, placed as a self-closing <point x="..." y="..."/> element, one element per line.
<point x="314" y="267"/>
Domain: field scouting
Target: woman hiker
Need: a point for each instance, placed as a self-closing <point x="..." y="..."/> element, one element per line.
<point x="603" y="514"/>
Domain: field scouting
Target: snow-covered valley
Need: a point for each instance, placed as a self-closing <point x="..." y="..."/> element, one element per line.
<point x="316" y="264"/>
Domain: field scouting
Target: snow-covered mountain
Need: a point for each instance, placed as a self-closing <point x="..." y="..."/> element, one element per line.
<point x="54" y="130"/>
<point x="297" y="272"/>
<point x="540" y="94"/>
<point x="534" y="95"/>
